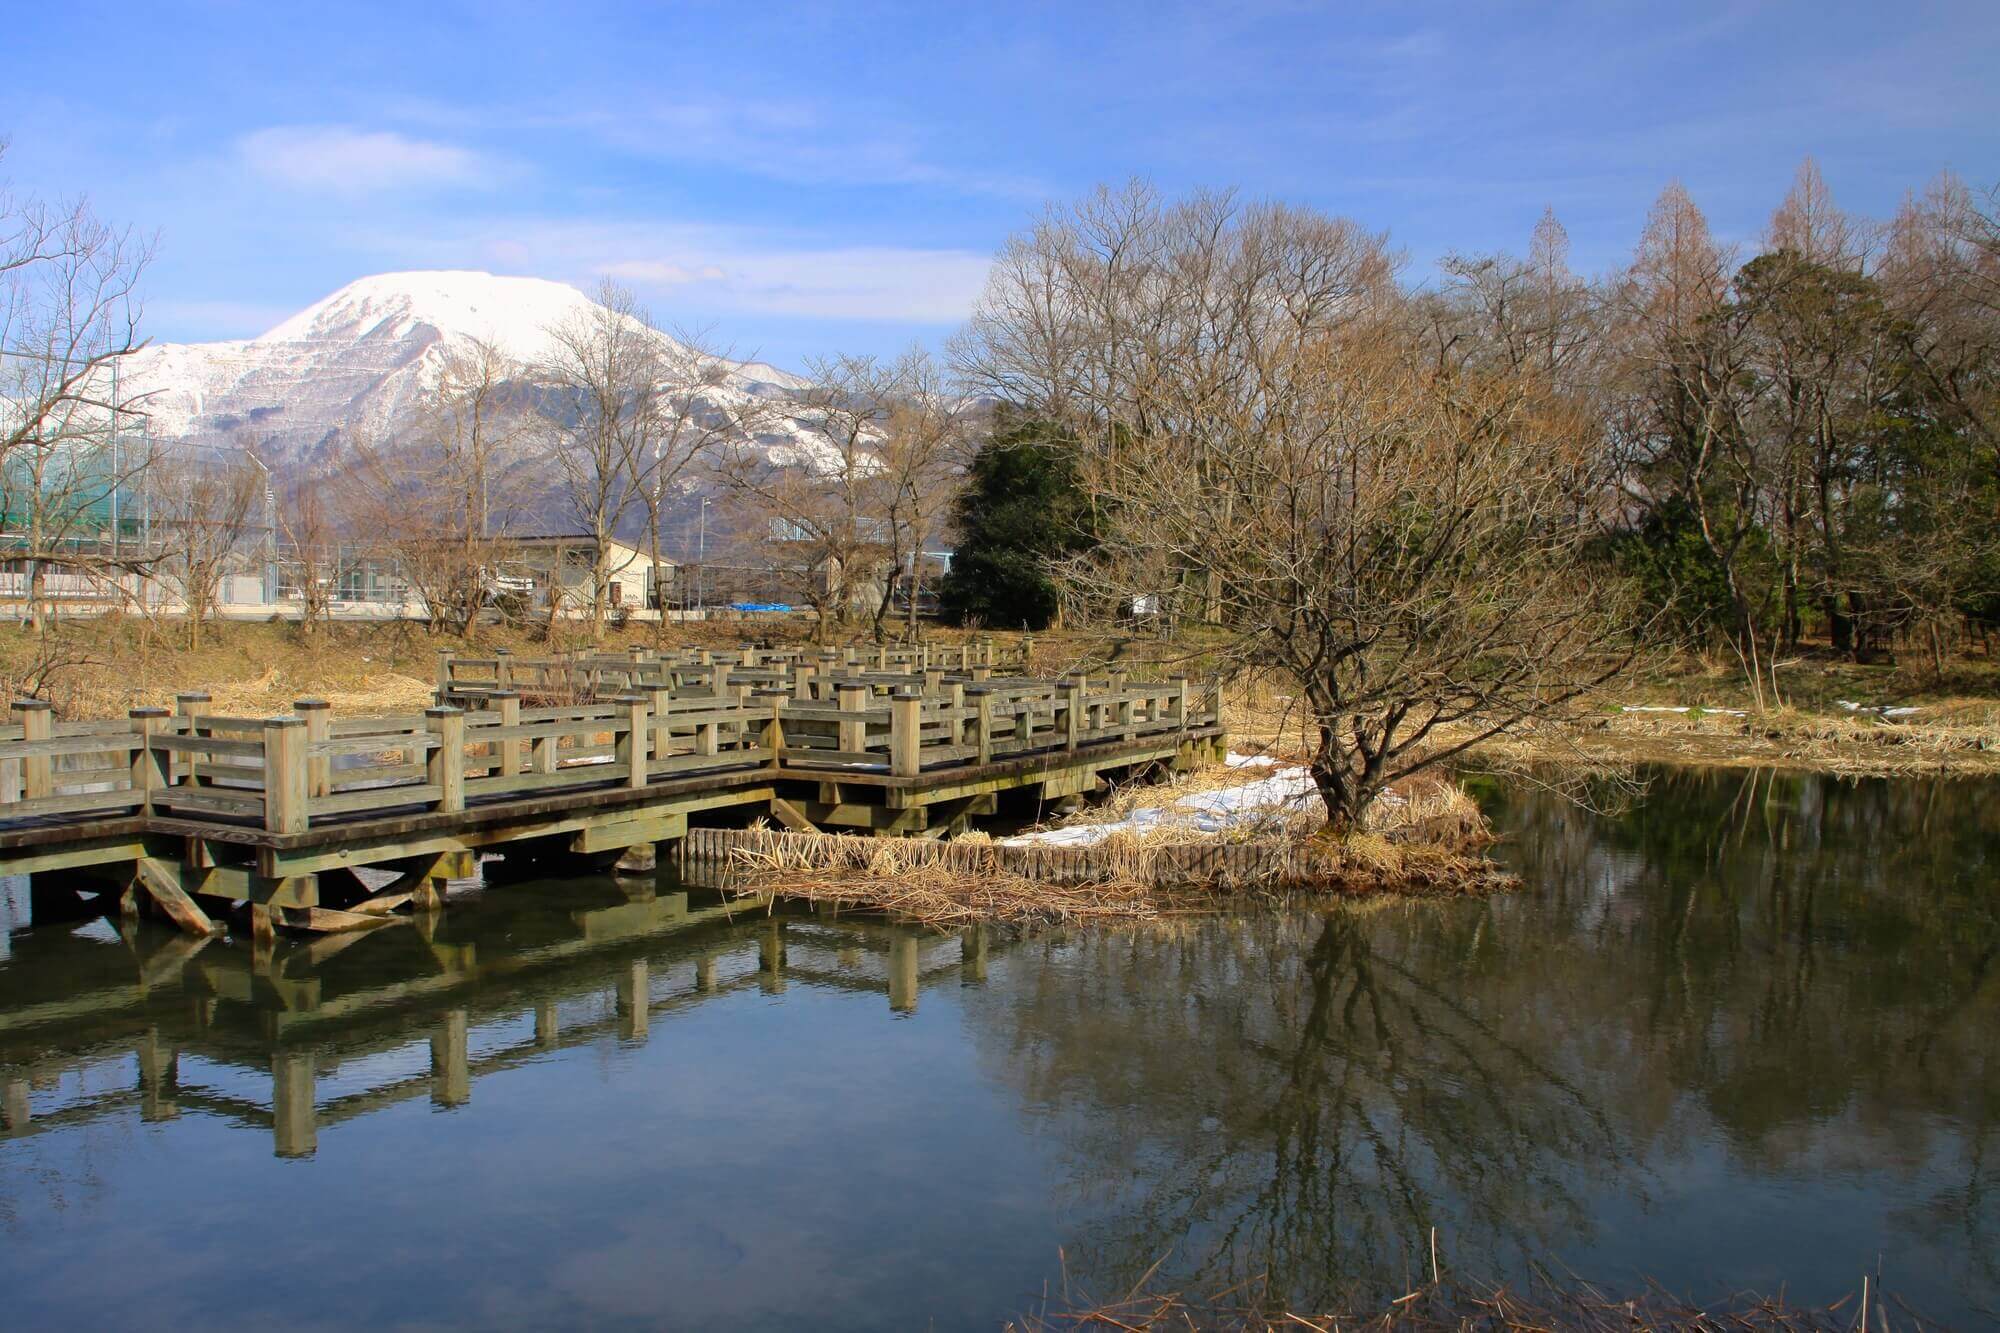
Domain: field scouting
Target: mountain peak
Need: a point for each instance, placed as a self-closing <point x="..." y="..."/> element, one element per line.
<point x="513" y="313"/>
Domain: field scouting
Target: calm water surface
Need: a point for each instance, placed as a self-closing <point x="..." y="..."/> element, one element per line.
<point x="1743" y="1035"/>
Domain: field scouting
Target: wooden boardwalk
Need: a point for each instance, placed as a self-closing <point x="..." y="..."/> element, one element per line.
<point x="595" y="755"/>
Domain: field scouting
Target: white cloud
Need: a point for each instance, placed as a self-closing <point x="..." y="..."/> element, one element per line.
<point x="339" y="160"/>
<point x="657" y="273"/>
<point x="708" y="268"/>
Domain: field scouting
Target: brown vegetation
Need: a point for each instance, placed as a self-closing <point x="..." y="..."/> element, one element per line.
<point x="1547" y="1303"/>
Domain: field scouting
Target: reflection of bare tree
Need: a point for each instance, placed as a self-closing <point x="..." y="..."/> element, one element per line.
<point x="1306" y="1107"/>
<point x="1797" y="973"/>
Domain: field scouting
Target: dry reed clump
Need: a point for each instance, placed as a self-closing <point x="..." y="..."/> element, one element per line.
<point x="1544" y="1304"/>
<point x="1121" y="878"/>
<point x="883" y="875"/>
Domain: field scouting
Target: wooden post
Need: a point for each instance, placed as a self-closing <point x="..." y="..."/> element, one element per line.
<point x="634" y="1002"/>
<point x="503" y="670"/>
<point x="906" y="717"/>
<point x="1072" y="693"/>
<point x="445" y="764"/>
<point x="285" y="808"/>
<point x="451" y="1073"/>
<point x="293" y="1131"/>
<point x="629" y="747"/>
<point x="972" y="954"/>
<point x="149" y="772"/>
<point x="852" y="696"/>
<point x="903" y="974"/>
<point x="982" y="720"/>
<point x="443" y="690"/>
<point x="37" y="720"/>
<point x="1177" y="701"/>
<point x="771" y="956"/>
<point x="190" y="706"/>
<point x="548" y="1025"/>
<point x="660" y="703"/>
<point x="509" y="704"/>
<point x="774" y="727"/>
<point x="1027" y="654"/>
<point x="319" y="727"/>
<point x="802" y="681"/>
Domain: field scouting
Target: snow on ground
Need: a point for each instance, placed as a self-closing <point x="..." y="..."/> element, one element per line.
<point x="1879" y="710"/>
<point x="1679" y="708"/>
<point x="1288" y="788"/>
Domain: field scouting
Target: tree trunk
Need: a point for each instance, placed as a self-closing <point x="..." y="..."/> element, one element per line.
<point x="1338" y="788"/>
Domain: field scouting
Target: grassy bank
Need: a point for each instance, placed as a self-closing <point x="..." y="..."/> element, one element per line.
<point x="1905" y="718"/>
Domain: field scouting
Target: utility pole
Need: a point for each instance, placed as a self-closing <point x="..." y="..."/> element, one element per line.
<point x="701" y="565"/>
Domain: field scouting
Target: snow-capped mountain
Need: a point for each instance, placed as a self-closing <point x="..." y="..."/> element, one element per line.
<point x="360" y="363"/>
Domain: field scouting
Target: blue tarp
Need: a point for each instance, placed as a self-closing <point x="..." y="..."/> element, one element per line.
<point x="759" y="606"/>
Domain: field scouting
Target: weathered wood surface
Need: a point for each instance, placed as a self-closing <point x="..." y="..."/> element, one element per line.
<point x="289" y="775"/>
<point x="253" y="810"/>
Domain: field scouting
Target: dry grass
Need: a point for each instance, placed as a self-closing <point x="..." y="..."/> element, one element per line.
<point x="102" y="666"/>
<point x="897" y="877"/>
<point x="1950" y="734"/>
<point x="1119" y="879"/>
<point x="1466" y="1308"/>
<point x="1547" y="1302"/>
<point x="1957" y="739"/>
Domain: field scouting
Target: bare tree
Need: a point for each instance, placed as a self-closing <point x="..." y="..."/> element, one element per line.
<point x="818" y="507"/>
<point x="318" y="548"/>
<point x="924" y="449"/>
<point x="202" y="507"/>
<point x="694" y="415"/>
<point x="603" y="373"/>
<point x="68" y="317"/>
<point x="1272" y="438"/>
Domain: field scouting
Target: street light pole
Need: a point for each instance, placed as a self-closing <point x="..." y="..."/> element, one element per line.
<point x="701" y="564"/>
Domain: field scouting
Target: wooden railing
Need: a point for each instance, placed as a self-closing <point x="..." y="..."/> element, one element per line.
<point x="288" y="774"/>
<point x="464" y="678"/>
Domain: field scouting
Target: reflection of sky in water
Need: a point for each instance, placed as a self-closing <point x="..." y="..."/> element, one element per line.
<point x="1737" y="1037"/>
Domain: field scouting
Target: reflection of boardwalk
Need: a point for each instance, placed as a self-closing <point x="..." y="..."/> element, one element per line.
<point x="502" y="981"/>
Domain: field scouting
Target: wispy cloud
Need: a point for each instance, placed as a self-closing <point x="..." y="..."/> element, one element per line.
<point x="716" y="269"/>
<point x="792" y="140"/>
<point x="338" y="159"/>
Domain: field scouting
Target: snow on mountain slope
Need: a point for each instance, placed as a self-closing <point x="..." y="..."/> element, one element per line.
<point x="360" y="363"/>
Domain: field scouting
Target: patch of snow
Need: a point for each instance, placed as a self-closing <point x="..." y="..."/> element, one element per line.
<point x="1679" y="708"/>
<point x="1288" y="788"/>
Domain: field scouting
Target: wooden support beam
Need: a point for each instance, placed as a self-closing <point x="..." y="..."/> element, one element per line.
<point x="165" y="888"/>
<point x="791" y="816"/>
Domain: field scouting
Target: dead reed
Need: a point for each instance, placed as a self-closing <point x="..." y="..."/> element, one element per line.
<point x="1558" y="1305"/>
<point x="1119" y="879"/>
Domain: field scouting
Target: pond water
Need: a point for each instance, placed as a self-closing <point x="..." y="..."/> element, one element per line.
<point x="1742" y="1035"/>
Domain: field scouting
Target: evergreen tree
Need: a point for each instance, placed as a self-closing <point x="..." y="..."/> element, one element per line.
<point x="1022" y="509"/>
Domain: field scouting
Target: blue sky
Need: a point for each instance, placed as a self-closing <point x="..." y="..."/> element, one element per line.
<point x="812" y="178"/>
